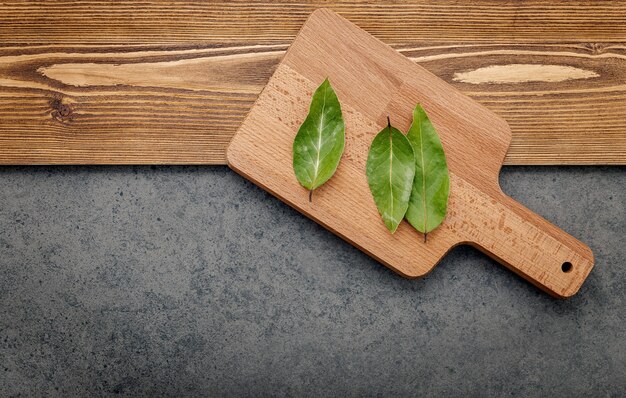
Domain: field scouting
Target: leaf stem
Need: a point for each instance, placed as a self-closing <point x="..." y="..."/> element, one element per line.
<point x="425" y="236"/>
<point x="310" y="196"/>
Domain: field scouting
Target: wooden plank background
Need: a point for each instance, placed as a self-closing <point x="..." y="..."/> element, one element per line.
<point x="95" y="82"/>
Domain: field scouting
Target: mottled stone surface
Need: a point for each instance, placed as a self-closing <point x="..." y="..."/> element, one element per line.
<point x="190" y="281"/>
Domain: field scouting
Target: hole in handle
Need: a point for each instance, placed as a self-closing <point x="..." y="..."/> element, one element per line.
<point x="566" y="267"/>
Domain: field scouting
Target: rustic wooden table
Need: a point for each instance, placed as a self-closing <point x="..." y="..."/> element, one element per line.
<point x="169" y="82"/>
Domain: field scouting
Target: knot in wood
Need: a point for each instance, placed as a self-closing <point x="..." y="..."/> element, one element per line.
<point x="64" y="110"/>
<point x="60" y="110"/>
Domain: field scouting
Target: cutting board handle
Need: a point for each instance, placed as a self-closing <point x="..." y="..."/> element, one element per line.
<point x="523" y="241"/>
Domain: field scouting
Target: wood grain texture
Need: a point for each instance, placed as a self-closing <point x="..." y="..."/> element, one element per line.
<point x="373" y="81"/>
<point x="265" y="22"/>
<point x="169" y="82"/>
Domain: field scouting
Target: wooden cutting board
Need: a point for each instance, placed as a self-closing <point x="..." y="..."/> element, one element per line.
<point x="372" y="81"/>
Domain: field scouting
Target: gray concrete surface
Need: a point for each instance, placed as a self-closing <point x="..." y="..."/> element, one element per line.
<point x="190" y="281"/>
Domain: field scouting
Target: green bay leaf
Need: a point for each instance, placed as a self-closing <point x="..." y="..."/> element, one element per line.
<point x="390" y="170"/>
<point x="320" y="141"/>
<point x="431" y="185"/>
